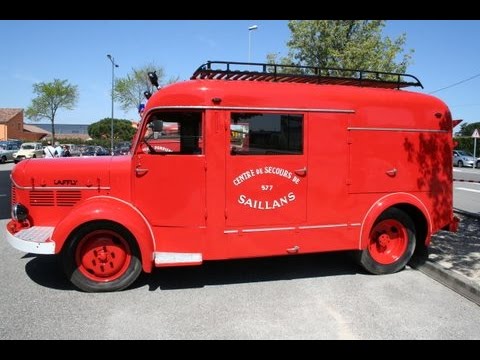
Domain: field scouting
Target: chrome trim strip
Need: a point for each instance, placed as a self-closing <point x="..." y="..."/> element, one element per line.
<point x="40" y="187"/>
<point x="305" y="227"/>
<point x="397" y="130"/>
<point x="245" y="108"/>
<point x="268" y="229"/>
<point x="325" y="226"/>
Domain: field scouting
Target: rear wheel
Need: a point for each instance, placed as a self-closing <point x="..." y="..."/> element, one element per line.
<point x="3" y="159"/>
<point x="102" y="256"/>
<point x="391" y="243"/>
<point x="460" y="163"/>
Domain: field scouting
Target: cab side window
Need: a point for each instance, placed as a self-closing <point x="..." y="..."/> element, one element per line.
<point x="176" y="132"/>
<point x="266" y="134"/>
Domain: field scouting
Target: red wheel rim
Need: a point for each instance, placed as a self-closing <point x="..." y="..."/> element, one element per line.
<point x="103" y="256"/>
<point x="388" y="241"/>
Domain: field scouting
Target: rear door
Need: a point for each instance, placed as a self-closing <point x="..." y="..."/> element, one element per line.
<point x="266" y="169"/>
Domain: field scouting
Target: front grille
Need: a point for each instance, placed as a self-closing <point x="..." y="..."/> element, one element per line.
<point x="42" y="198"/>
<point x="54" y="197"/>
<point x="68" y="197"/>
<point x="14" y="195"/>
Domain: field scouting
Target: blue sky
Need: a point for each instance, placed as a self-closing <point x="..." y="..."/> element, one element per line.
<point x="445" y="52"/>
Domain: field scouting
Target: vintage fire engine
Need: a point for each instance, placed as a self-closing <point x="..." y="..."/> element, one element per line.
<point x="263" y="160"/>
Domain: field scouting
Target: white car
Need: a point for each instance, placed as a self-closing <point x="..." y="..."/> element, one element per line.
<point x="6" y="152"/>
<point x="28" y="150"/>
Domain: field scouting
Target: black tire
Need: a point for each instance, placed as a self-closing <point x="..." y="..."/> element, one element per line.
<point x="84" y="266"/>
<point x="375" y="258"/>
<point x="477" y="164"/>
<point x="15" y="161"/>
<point x="3" y="160"/>
<point x="460" y="163"/>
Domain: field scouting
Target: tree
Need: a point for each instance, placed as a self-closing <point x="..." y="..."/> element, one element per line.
<point x="123" y="129"/>
<point x="345" y="44"/>
<point x="129" y="90"/>
<point x="467" y="129"/>
<point x="50" y="98"/>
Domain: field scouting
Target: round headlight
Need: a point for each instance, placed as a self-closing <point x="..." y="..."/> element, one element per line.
<point x="19" y="212"/>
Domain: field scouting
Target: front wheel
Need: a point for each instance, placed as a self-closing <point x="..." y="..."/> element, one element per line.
<point x="391" y="243"/>
<point x="102" y="256"/>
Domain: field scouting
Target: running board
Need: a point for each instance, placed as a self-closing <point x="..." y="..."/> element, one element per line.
<point x="177" y="259"/>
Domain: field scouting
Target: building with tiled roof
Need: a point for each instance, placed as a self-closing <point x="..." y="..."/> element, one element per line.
<point x="12" y="127"/>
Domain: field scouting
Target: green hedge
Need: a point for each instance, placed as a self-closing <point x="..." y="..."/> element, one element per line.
<point x="466" y="143"/>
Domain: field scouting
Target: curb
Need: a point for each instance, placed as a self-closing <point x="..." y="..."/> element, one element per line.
<point x="466" y="213"/>
<point x="454" y="281"/>
<point x="458" y="283"/>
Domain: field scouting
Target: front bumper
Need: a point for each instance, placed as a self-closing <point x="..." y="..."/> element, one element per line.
<point x="35" y="240"/>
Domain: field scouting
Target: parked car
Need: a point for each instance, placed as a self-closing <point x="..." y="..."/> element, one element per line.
<point x="6" y="151"/>
<point x="74" y="149"/>
<point x="28" y="150"/>
<point x="463" y="158"/>
<point x="95" y="151"/>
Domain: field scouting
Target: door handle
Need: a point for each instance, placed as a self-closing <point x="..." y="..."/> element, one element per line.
<point x="293" y="250"/>
<point x="140" y="171"/>
<point x="391" y="172"/>
<point x="301" y="172"/>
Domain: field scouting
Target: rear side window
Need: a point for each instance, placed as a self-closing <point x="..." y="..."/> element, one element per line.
<point x="266" y="134"/>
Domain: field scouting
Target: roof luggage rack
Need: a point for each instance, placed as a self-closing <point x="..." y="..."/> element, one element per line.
<point x="229" y="70"/>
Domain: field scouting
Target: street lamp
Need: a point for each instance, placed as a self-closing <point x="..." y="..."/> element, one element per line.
<point x="250" y="29"/>
<point x="112" y="60"/>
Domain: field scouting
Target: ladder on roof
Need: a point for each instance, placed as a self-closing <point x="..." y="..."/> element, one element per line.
<point x="230" y="70"/>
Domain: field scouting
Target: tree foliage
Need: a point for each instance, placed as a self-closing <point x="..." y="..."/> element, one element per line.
<point x="345" y="44"/>
<point x="129" y="90"/>
<point x="122" y="129"/>
<point x="50" y="97"/>
<point x="467" y="129"/>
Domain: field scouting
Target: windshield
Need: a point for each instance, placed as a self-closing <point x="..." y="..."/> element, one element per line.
<point x="28" y="147"/>
<point x="464" y="153"/>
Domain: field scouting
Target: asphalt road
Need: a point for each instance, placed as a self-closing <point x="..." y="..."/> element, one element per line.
<point x="324" y="296"/>
<point x="466" y="194"/>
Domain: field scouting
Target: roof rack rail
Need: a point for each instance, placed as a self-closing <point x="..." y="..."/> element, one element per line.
<point x="229" y="70"/>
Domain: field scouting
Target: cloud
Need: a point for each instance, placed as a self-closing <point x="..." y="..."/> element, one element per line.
<point x="207" y="41"/>
<point x="25" y="77"/>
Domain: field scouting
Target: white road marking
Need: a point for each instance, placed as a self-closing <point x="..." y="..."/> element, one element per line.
<point x="3" y="195"/>
<point x="467" y="189"/>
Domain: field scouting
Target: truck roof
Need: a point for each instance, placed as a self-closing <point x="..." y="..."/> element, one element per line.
<point x="252" y="95"/>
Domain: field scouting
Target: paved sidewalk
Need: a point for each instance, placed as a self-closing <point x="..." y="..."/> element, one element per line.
<point x="454" y="258"/>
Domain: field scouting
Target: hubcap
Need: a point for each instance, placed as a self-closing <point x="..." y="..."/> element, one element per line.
<point x="103" y="256"/>
<point x="388" y="241"/>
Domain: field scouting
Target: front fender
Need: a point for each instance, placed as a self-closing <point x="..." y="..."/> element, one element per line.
<point x="112" y="209"/>
<point x="384" y="203"/>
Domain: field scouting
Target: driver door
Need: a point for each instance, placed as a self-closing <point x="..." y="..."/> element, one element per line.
<point x="169" y="169"/>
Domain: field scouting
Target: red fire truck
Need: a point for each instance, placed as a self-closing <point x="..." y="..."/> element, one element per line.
<point x="265" y="160"/>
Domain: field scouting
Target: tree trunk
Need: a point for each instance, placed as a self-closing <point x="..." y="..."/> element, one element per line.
<point x="53" y="131"/>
